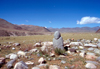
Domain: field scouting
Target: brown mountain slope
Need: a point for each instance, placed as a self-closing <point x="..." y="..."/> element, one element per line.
<point x="98" y="31"/>
<point x="9" y="29"/>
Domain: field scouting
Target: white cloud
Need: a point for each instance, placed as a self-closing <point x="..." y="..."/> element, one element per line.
<point x="49" y="21"/>
<point x="26" y="20"/>
<point x="88" y="20"/>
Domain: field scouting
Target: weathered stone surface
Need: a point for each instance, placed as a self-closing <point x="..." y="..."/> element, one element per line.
<point x="73" y="50"/>
<point x="94" y="62"/>
<point x="29" y="63"/>
<point x="90" y="45"/>
<point x="58" y="41"/>
<point x="41" y="60"/>
<point x="35" y="68"/>
<point x="76" y="43"/>
<point x="90" y="49"/>
<point x="37" y="44"/>
<point x="54" y="67"/>
<point x="2" y="61"/>
<point x="90" y="65"/>
<point x="21" y="53"/>
<point x="16" y="44"/>
<point x="20" y="65"/>
<point x="97" y="51"/>
<point x="10" y="64"/>
<point x="13" y="56"/>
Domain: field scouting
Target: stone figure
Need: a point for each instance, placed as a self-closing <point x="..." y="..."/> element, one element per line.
<point x="58" y="41"/>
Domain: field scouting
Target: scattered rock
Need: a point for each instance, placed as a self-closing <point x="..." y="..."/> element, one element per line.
<point x="97" y="51"/>
<point x="76" y="44"/>
<point x="94" y="62"/>
<point x="2" y="61"/>
<point x="91" y="57"/>
<point x="54" y="67"/>
<point x="13" y="48"/>
<point x="44" y="48"/>
<point x="91" y="49"/>
<point x="35" y="68"/>
<point x="21" y="53"/>
<point x="13" y="56"/>
<point x="41" y="60"/>
<point x="63" y="62"/>
<point x="90" y="65"/>
<point x="37" y="44"/>
<point x="82" y="54"/>
<point x="16" y="44"/>
<point x="81" y="47"/>
<point x="29" y="63"/>
<point x="90" y="45"/>
<point x="33" y="50"/>
<point x="20" y="65"/>
<point x="73" y="50"/>
<point x="98" y="59"/>
<point x="10" y="64"/>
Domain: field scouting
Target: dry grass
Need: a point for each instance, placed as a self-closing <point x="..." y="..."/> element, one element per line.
<point x="27" y="42"/>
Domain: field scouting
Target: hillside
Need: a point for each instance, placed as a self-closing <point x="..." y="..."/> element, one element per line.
<point x="9" y="29"/>
<point x="75" y="30"/>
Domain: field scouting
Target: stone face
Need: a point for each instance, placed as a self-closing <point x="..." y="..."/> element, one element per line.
<point x="90" y="65"/>
<point x="54" y="67"/>
<point x="20" y="65"/>
<point x="58" y="41"/>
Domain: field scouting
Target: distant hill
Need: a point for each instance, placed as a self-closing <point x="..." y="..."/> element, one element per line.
<point x="75" y="30"/>
<point x="98" y="31"/>
<point x="9" y="29"/>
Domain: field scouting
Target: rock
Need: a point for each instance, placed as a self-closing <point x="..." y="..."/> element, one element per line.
<point x="20" y="65"/>
<point x="29" y="63"/>
<point x="82" y="54"/>
<point x="10" y="64"/>
<point x="13" y="48"/>
<point x="97" y="51"/>
<point x="47" y="43"/>
<point x="7" y="56"/>
<point x="73" y="50"/>
<point x="41" y="60"/>
<point x="58" y="41"/>
<point x="33" y="50"/>
<point x="90" y="45"/>
<point x="38" y="55"/>
<point x="44" y="48"/>
<point x="63" y="62"/>
<point x="62" y="56"/>
<point x="89" y="53"/>
<point x="76" y="44"/>
<point x="52" y="54"/>
<point x="16" y="44"/>
<point x="37" y="44"/>
<point x="99" y="40"/>
<point x="90" y="49"/>
<point x="94" y="62"/>
<point x="75" y="47"/>
<point x="54" y="67"/>
<point x="35" y="68"/>
<point x="21" y="53"/>
<point x="98" y="44"/>
<point x="91" y="57"/>
<point x="90" y="65"/>
<point x="81" y="47"/>
<point x="66" y="67"/>
<point x="43" y="66"/>
<point x="98" y="59"/>
<point x="2" y="61"/>
<point x="13" y="56"/>
<point x="72" y="67"/>
<point x="95" y="39"/>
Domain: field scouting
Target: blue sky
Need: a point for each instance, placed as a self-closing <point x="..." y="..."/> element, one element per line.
<point x="52" y="13"/>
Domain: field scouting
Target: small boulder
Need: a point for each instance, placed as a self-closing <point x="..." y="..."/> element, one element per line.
<point x="90" y="66"/>
<point x="73" y="50"/>
<point x="13" y="56"/>
<point x="16" y="44"/>
<point x="21" y="53"/>
<point x="37" y="44"/>
<point x="29" y="63"/>
<point x="20" y="65"/>
<point x="2" y="61"/>
<point x="10" y="64"/>
<point x="41" y="60"/>
<point x="54" y="67"/>
<point x="35" y="68"/>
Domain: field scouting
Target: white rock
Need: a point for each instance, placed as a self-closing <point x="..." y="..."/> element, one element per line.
<point x="90" y="49"/>
<point x="13" y="48"/>
<point x="35" y="68"/>
<point x="13" y="56"/>
<point x="54" y="67"/>
<point x="29" y="63"/>
<point x="95" y="39"/>
<point x="33" y="50"/>
<point x="76" y="43"/>
<point x="82" y="54"/>
<point x="20" y="65"/>
<point x="90" y="65"/>
<point x="21" y="53"/>
<point x="81" y="47"/>
<point x="37" y="44"/>
<point x="44" y="48"/>
<point x="41" y="60"/>
<point x="90" y="45"/>
<point x="47" y="43"/>
<point x="16" y="44"/>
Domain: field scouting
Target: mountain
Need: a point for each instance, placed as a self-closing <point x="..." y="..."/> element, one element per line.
<point x="75" y="30"/>
<point x="9" y="29"/>
<point x="98" y="31"/>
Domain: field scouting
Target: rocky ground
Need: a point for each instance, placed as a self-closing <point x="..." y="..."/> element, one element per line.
<point x="78" y="54"/>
